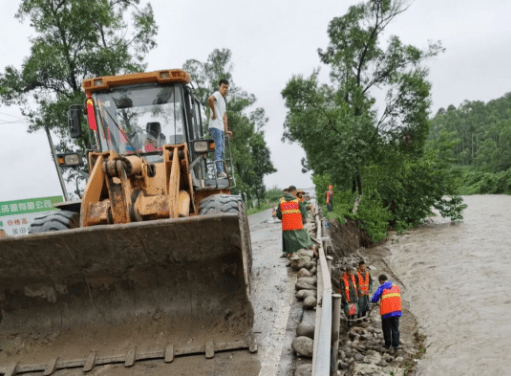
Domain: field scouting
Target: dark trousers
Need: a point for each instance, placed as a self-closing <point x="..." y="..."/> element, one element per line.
<point x="330" y="206"/>
<point x="390" y="328"/>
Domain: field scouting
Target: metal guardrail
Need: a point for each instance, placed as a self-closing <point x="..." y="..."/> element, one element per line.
<point x="323" y="358"/>
<point x="328" y="311"/>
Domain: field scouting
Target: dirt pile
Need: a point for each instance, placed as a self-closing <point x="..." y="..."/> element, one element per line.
<point x="346" y="239"/>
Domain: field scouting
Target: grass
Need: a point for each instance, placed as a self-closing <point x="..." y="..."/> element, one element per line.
<point x="411" y="360"/>
<point x="263" y="207"/>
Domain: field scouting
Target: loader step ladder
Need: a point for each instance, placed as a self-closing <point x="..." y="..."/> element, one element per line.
<point x="211" y="179"/>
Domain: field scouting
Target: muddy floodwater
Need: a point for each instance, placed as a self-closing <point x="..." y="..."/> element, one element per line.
<point x="457" y="280"/>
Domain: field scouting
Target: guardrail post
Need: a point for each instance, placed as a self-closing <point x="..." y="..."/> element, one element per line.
<point x="336" y="326"/>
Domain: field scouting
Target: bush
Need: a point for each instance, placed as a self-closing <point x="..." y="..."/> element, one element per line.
<point x="400" y="189"/>
<point x="274" y="194"/>
<point x="373" y="217"/>
<point x="411" y="186"/>
<point x="343" y="202"/>
<point x="481" y="182"/>
<point x="321" y="182"/>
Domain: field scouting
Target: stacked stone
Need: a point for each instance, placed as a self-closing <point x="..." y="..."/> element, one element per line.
<point x="305" y="263"/>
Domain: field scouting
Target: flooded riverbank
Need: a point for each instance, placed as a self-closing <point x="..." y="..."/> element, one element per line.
<point x="456" y="278"/>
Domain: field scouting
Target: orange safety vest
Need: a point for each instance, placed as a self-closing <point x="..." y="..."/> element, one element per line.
<point x="347" y="285"/>
<point x="390" y="300"/>
<point x="291" y="215"/>
<point x="364" y="285"/>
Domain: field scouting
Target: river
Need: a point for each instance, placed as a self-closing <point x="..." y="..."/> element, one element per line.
<point x="456" y="278"/>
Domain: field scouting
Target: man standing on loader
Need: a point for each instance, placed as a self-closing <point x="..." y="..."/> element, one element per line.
<point x="218" y="123"/>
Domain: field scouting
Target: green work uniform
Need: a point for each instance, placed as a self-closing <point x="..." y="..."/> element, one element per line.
<point x="363" y="300"/>
<point x="295" y="240"/>
<point x="353" y="291"/>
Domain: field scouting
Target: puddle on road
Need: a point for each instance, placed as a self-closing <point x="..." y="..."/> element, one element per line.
<point x="457" y="278"/>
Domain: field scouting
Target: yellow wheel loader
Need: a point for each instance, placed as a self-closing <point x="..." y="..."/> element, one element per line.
<point x="152" y="263"/>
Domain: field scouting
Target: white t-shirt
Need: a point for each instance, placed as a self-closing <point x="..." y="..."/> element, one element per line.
<point x="218" y="122"/>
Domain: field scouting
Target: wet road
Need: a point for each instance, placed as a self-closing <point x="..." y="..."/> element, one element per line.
<point x="276" y="314"/>
<point x="456" y="278"/>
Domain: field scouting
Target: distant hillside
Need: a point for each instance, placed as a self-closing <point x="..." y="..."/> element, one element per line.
<point x="484" y="131"/>
<point x="484" y="148"/>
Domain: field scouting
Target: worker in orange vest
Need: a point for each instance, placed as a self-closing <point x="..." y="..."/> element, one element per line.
<point x="329" y="196"/>
<point x="365" y="284"/>
<point x="292" y="212"/>
<point x="350" y="292"/>
<point x="390" y="310"/>
<point x="305" y="202"/>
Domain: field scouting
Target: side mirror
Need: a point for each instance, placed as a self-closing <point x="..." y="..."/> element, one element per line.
<point x="74" y="121"/>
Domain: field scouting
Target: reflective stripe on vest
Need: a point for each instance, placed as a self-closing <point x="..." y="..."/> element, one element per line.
<point x="291" y="215"/>
<point x="364" y="285"/>
<point x="347" y="285"/>
<point x="390" y="300"/>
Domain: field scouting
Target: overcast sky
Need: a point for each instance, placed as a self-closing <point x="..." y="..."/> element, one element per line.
<point x="270" y="41"/>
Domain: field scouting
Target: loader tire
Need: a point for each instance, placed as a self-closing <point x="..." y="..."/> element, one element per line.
<point x="55" y="221"/>
<point x="222" y="203"/>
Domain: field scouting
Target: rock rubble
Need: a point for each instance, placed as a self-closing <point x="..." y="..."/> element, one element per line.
<point x="361" y="350"/>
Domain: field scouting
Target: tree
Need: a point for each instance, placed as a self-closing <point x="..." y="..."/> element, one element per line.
<point x="249" y="150"/>
<point x="273" y="194"/>
<point x="262" y="165"/>
<point x="347" y="139"/>
<point x="74" y="40"/>
<point x="337" y="124"/>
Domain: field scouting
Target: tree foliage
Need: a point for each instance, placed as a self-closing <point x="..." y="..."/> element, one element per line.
<point x="347" y="138"/>
<point x="483" y="151"/>
<point x="484" y="131"/>
<point x="250" y="153"/>
<point x="337" y="124"/>
<point x="73" y="40"/>
<point x="274" y="194"/>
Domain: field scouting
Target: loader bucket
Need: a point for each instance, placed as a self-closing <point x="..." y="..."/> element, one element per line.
<point x="124" y="293"/>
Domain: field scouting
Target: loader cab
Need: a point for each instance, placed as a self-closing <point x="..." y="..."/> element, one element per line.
<point x="142" y="118"/>
<point x="140" y="113"/>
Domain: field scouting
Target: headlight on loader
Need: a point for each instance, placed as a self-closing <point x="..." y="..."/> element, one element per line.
<point x="204" y="146"/>
<point x="70" y="160"/>
<point x="201" y="146"/>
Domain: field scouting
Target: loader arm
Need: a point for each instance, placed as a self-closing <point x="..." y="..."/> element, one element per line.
<point x="128" y="189"/>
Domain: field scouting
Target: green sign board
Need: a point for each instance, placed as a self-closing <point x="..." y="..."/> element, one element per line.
<point x="31" y="205"/>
